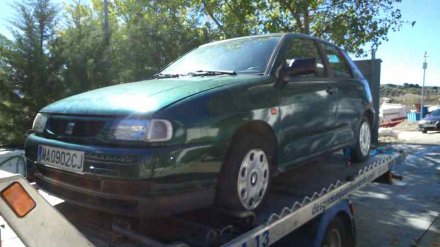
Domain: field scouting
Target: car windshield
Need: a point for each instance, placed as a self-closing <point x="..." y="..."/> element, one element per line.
<point x="244" y="55"/>
<point x="436" y="113"/>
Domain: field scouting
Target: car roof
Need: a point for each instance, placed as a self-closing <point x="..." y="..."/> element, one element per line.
<point x="281" y="35"/>
<point x="243" y="37"/>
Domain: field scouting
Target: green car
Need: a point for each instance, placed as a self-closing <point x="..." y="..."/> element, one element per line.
<point x="212" y="128"/>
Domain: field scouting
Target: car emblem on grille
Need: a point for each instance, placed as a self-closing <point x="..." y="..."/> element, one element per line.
<point x="69" y="128"/>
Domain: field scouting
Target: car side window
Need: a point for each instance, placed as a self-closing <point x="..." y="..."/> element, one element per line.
<point x="300" y="48"/>
<point x="337" y="62"/>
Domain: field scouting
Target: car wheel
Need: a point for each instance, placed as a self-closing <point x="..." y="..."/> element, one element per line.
<point x="336" y="236"/>
<point x="424" y="131"/>
<point x="361" y="151"/>
<point x="246" y="173"/>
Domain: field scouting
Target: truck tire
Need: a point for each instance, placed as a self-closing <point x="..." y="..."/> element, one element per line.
<point x="336" y="234"/>
<point x="246" y="173"/>
<point x="361" y="151"/>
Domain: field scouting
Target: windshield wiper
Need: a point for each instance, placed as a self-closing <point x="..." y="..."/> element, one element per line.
<point x="160" y="76"/>
<point x="212" y="72"/>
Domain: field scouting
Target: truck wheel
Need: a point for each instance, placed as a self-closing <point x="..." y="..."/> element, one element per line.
<point x="336" y="236"/>
<point x="246" y="173"/>
<point x="361" y="151"/>
<point x="424" y="131"/>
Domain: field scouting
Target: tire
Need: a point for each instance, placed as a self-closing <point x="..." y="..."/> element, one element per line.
<point x="336" y="234"/>
<point x="361" y="151"/>
<point x="246" y="173"/>
<point x="424" y="131"/>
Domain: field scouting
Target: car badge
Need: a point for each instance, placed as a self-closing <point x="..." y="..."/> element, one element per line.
<point x="69" y="128"/>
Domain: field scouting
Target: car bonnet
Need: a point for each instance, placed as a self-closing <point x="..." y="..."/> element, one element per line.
<point x="138" y="97"/>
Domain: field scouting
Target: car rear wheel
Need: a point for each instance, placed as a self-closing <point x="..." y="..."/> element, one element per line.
<point x="246" y="174"/>
<point x="361" y="151"/>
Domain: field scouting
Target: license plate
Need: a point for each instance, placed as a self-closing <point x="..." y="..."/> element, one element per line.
<point x="65" y="159"/>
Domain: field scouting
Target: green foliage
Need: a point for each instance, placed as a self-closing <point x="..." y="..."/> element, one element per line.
<point x="82" y="49"/>
<point x="29" y="78"/>
<point x="349" y="24"/>
<point x="152" y="34"/>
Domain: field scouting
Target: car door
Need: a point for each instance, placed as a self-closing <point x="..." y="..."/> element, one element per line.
<point x="308" y="105"/>
<point x="350" y="93"/>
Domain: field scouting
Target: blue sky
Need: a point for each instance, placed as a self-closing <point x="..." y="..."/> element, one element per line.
<point x="402" y="55"/>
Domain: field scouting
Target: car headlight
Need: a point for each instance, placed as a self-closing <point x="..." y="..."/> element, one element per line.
<point x="422" y="121"/>
<point x="39" y="123"/>
<point x="155" y="130"/>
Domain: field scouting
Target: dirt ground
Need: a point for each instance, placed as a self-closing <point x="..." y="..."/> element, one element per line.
<point x="407" y="132"/>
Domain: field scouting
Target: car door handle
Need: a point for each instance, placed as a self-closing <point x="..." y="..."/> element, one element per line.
<point x="331" y="90"/>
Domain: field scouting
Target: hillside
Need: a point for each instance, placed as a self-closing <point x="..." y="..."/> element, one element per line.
<point x="409" y="94"/>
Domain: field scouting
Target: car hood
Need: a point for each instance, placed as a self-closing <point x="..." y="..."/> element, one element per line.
<point x="431" y="118"/>
<point x="138" y="97"/>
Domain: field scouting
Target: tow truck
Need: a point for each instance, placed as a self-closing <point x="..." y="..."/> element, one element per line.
<point x="306" y="206"/>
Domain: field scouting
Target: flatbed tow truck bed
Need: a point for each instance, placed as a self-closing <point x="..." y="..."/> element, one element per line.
<point x="297" y="197"/>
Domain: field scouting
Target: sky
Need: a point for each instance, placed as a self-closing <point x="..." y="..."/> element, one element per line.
<point x="402" y="55"/>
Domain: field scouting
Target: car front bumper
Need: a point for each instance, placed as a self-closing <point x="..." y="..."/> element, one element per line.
<point x="151" y="181"/>
<point x="432" y="125"/>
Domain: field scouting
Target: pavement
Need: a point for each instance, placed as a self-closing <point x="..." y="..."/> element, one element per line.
<point x="405" y="213"/>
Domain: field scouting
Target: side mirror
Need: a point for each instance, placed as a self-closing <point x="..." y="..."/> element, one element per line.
<point x="297" y="67"/>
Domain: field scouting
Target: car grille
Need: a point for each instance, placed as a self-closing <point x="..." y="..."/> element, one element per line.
<point x="74" y="127"/>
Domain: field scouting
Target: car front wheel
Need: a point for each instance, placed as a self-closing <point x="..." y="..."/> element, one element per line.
<point x="246" y="174"/>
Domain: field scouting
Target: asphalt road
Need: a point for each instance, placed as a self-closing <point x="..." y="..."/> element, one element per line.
<point x="400" y="214"/>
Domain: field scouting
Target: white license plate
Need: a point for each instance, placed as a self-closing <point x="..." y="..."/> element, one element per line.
<point x="65" y="159"/>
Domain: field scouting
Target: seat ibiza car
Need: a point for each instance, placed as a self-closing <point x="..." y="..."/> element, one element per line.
<point x="212" y="128"/>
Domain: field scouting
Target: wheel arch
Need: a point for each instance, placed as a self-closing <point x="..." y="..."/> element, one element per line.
<point x="370" y="116"/>
<point x="261" y="129"/>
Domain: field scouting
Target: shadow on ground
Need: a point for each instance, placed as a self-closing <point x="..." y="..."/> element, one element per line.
<point x="398" y="214"/>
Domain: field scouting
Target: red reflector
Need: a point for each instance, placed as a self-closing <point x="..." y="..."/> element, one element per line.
<point x="18" y="199"/>
<point x="352" y="209"/>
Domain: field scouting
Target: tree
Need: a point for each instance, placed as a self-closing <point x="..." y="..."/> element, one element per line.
<point x="153" y="34"/>
<point x="83" y="49"/>
<point x="349" y="24"/>
<point x="30" y="74"/>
